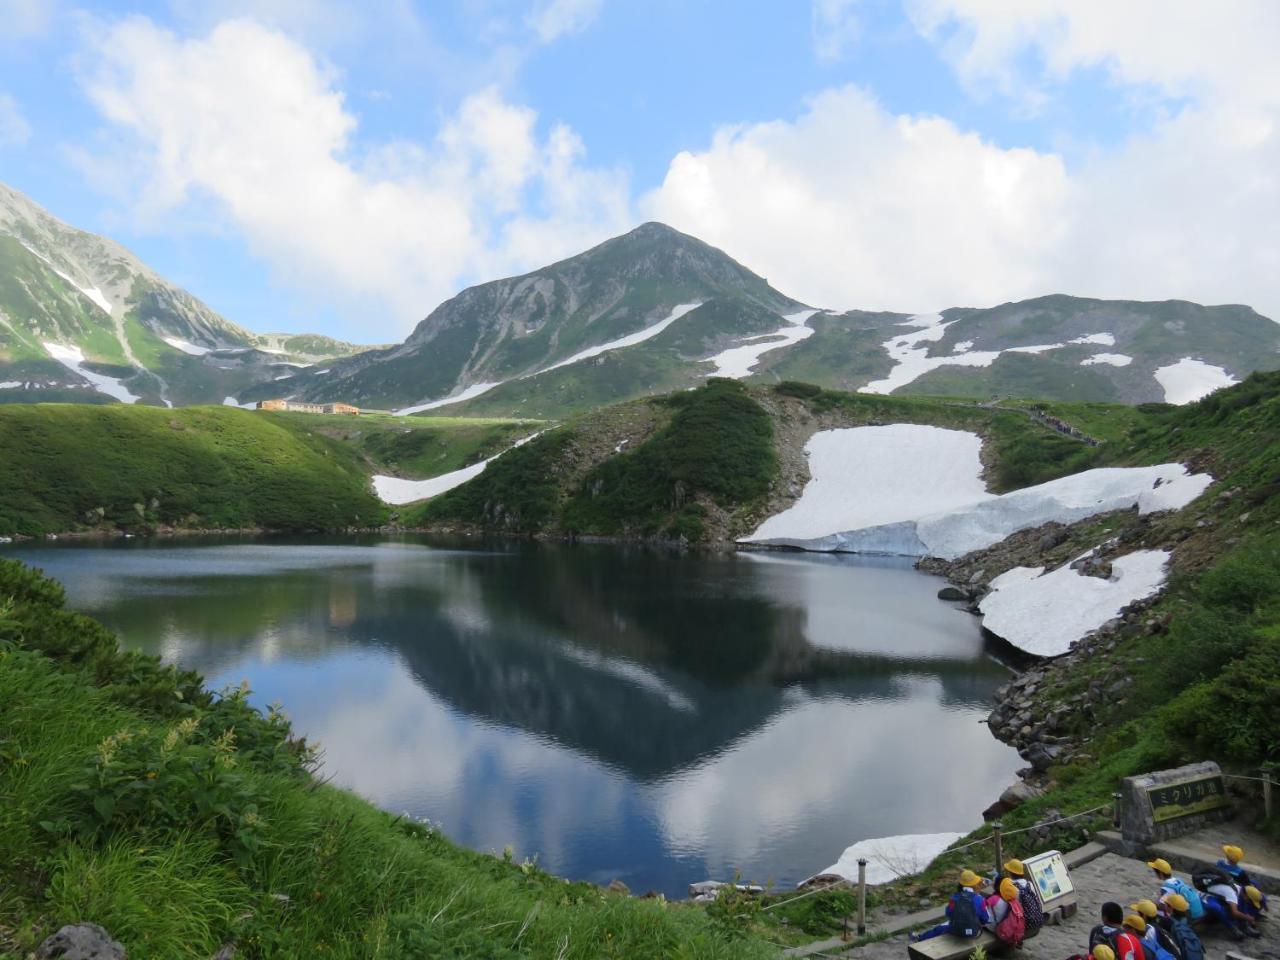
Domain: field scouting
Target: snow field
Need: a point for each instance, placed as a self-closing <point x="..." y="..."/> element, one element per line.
<point x="475" y="390"/>
<point x="870" y="476"/>
<point x="73" y="359"/>
<point x="1189" y="380"/>
<point x="185" y="346"/>
<point x="1044" y="613"/>
<point x="891" y="857"/>
<point x="1112" y="359"/>
<point x="738" y="362"/>
<point x="398" y="491"/>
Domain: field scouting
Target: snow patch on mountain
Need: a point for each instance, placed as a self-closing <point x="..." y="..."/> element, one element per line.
<point x="475" y="390"/>
<point x="233" y="402"/>
<point x="185" y="346"/>
<point x="891" y="857"/>
<point x="1189" y="380"/>
<point x="738" y="362"/>
<point x="630" y="340"/>
<point x="1111" y="359"/>
<point x="73" y="359"/>
<point x="1098" y="339"/>
<point x="10" y="384"/>
<point x="870" y="476"/>
<point x="1044" y="613"/>
<point x="917" y="491"/>
<point x="398" y="491"/>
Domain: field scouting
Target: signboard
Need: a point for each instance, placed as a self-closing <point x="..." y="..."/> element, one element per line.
<point x="1049" y="874"/>
<point x="1169" y="801"/>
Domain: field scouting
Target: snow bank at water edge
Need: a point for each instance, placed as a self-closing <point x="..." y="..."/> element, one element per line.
<point x="1113" y="359"/>
<point x="185" y="346"/>
<point x="73" y="359"/>
<point x="1189" y="380"/>
<point x="917" y="491"/>
<point x="1044" y="613"/>
<point x="869" y="476"/>
<point x="738" y="362"/>
<point x="398" y="491"/>
<point x="630" y="340"/>
<point x="891" y="857"/>
<point x="475" y="390"/>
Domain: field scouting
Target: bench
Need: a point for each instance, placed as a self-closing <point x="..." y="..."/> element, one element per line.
<point x="947" y="947"/>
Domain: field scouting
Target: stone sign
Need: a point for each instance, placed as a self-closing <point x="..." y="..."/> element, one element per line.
<point x="1170" y="803"/>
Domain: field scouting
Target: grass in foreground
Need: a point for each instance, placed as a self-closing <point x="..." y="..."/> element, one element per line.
<point x="180" y="821"/>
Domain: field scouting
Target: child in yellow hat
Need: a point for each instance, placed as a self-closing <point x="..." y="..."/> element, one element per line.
<point x="967" y="911"/>
<point x="1230" y="865"/>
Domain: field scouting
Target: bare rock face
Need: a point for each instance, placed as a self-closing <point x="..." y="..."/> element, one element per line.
<point x="80" y="941"/>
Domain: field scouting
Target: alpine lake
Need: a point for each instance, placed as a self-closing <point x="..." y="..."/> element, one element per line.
<point x="615" y="713"/>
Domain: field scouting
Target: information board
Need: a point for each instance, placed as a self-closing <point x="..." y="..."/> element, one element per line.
<point x="1049" y="874"/>
<point x="1172" y="800"/>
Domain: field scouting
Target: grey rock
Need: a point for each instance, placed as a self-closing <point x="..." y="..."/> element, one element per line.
<point x="1016" y="794"/>
<point x="953" y="593"/>
<point x="617" y="886"/>
<point x="80" y="941"/>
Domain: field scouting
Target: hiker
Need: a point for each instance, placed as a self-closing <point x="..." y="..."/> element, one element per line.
<point x="1171" y="884"/>
<point x="1032" y="910"/>
<point x="966" y="912"/>
<point x="1255" y="903"/>
<point x="1157" y="933"/>
<point x="1222" y="903"/>
<point x="1136" y="924"/>
<point x="1180" y="926"/>
<point x="1008" y="922"/>
<point x="1111" y="932"/>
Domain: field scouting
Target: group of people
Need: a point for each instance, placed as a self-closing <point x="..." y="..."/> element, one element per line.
<point x="1163" y="928"/>
<point x="1166" y="928"/>
<point x="1012" y="912"/>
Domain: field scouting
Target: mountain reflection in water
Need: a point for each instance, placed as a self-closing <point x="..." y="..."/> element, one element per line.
<point x="617" y="712"/>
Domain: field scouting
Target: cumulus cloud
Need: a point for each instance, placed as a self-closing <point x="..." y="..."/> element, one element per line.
<point x="25" y="18"/>
<point x="248" y="119"/>
<point x="850" y="205"/>
<point x="835" y="28"/>
<point x="555" y="18"/>
<point x="14" y="129"/>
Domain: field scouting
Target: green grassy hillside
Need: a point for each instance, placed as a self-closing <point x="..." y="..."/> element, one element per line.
<point x="69" y="467"/>
<point x="182" y="821"/>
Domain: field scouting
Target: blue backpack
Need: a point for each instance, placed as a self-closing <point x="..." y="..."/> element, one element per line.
<point x="1187" y="939"/>
<point x="1192" y="895"/>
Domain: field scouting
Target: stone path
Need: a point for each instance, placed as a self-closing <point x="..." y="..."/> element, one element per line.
<point x="1109" y="877"/>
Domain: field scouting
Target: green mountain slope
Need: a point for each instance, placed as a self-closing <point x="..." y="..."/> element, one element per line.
<point x="113" y="316"/>
<point x="70" y="466"/>
<point x="515" y="327"/>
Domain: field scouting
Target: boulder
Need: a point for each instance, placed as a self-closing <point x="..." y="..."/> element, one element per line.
<point x="80" y="941"/>
<point x="953" y="593"/>
<point x="1016" y="794"/>
<point x="617" y="886"/>
<point x="1042" y="756"/>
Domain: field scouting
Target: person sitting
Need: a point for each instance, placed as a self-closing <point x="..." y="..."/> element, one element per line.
<point x="1111" y="932"/>
<point x="1171" y="884"/>
<point x="1008" y="922"/>
<point x="1180" y="928"/>
<point x="1255" y="904"/>
<point x="1136" y="925"/>
<point x="1032" y="910"/>
<point x="967" y="912"/>
<point x="1156" y="933"/>
<point x="1222" y="903"/>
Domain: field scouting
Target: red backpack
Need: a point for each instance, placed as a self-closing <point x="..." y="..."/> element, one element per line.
<point x="1013" y="927"/>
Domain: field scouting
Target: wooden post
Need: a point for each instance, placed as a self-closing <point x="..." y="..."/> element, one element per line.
<point x="1266" y="792"/>
<point x="862" y="895"/>
<point x="997" y="829"/>
<point x="1116" y="799"/>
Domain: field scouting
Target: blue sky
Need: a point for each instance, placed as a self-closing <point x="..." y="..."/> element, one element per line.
<point x="343" y="168"/>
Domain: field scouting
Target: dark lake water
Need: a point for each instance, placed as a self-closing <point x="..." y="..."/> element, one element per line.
<point x="618" y="713"/>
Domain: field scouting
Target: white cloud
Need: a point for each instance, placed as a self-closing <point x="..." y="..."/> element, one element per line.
<point x="849" y="205"/>
<point x="25" y="18"/>
<point x="852" y="206"/>
<point x="14" y="129"/>
<point x="555" y="18"/>
<point x="835" y="28"/>
<point x="247" y="118"/>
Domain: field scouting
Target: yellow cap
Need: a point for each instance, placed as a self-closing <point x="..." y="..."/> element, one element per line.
<point x="1234" y="853"/>
<point x="1008" y="889"/>
<point x="1103" y="952"/>
<point x="1015" y="867"/>
<point x="1146" y="908"/>
<point x="1136" y="923"/>
<point x="1161" y="865"/>
<point x="1177" y="902"/>
<point x="970" y="879"/>
<point x="1254" y="895"/>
